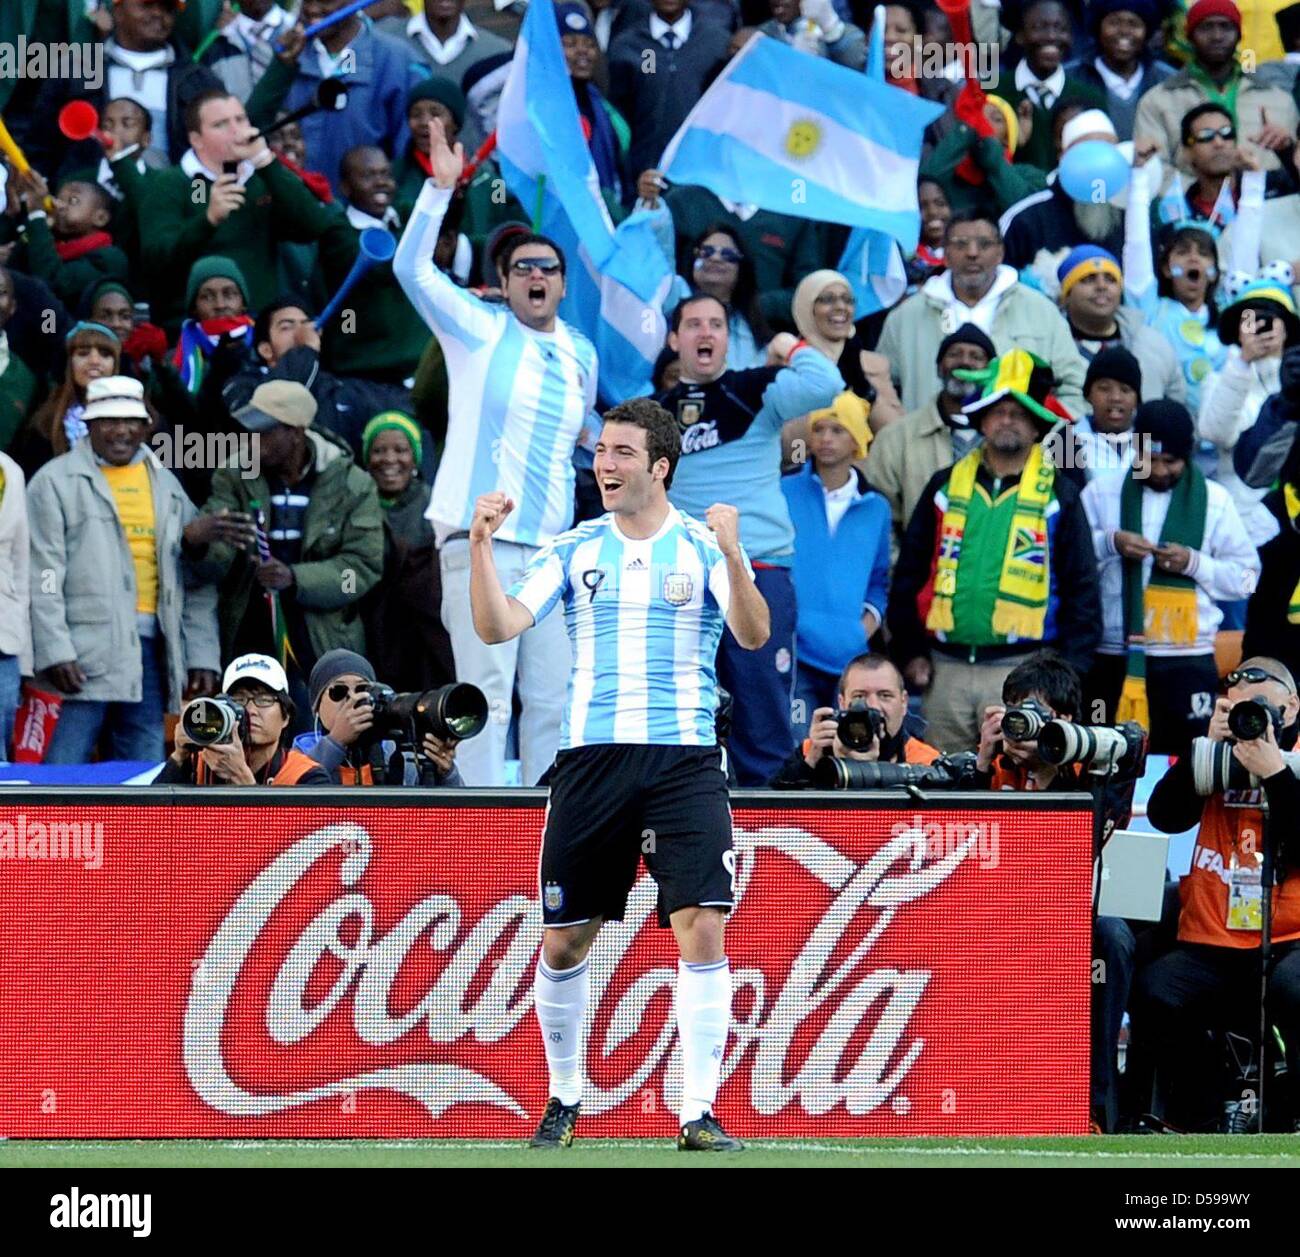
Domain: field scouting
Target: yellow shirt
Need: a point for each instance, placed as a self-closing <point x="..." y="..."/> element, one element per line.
<point x="134" y="497"/>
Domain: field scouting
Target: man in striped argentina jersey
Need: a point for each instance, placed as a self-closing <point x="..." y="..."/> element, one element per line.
<point x="645" y="591"/>
<point x="522" y="381"/>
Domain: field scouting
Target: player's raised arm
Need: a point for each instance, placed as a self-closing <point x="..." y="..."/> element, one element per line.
<point x="747" y="615"/>
<point x="497" y="616"/>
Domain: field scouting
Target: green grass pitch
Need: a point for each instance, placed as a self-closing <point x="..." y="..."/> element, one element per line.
<point x="1153" y="1151"/>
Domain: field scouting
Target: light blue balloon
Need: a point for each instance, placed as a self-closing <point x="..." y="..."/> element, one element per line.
<point x="1093" y="172"/>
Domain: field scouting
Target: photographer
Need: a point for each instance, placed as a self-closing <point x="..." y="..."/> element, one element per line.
<point x="1211" y="976"/>
<point x="254" y="752"/>
<point x="1042" y="689"/>
<point x="868" y="684"/>
<point x="342" y="689"/>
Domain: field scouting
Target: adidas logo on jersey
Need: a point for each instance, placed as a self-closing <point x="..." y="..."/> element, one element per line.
<point x="637" y="565"/>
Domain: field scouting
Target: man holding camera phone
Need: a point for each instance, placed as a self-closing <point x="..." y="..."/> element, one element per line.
<point x="1211" y="976"/>
<point x="870" y="725"/>
<point x="251" y="753"/>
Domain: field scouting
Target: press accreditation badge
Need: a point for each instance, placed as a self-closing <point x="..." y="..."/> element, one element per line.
<point x="1246" y="894"/>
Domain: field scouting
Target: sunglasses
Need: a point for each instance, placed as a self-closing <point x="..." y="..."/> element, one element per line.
<point x="1206" y="134"/>
<point x="1253" y="676"/>
<point x="706" y="251"/>
<point x="339" y="692"/>
<point x="526" y="266"/>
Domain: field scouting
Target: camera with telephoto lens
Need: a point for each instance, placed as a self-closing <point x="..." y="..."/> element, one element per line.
<point x="855" y="774"/>
<point x="858" y="727"/>
<point x="1098" y="748"/>
<point x="211" y="721"/>
<point x="1250" y="719"/>
<point x="1215" y="769"/>
<point x="1025" y="721"/>
<point x="450" y="713"/>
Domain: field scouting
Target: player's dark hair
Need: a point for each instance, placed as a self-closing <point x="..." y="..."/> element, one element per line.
<point x="870" y="660"/>
<point x="663" y="439"/>
<point x="1050" y="677"/>
<point x="194" y="108"/>
<point x="522" y="241"/>
<point x="675" y="319"/>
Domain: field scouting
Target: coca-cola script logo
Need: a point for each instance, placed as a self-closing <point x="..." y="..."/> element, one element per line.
<point x="851" y="1022"/>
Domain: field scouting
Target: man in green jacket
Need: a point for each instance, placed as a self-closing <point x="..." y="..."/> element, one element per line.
<point x="321" y="526"/>
<point x="196" y="209"/>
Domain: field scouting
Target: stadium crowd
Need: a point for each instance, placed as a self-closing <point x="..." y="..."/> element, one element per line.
<point x="1060" y="467"/>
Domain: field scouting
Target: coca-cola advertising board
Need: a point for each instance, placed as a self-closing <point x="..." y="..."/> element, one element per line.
<point x="321" y="969"/>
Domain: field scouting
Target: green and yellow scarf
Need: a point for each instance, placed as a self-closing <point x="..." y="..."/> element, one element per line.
<point x="1020" y="611"/>
<point x="1164" y="611"/>
<point x="1291" y="496"/>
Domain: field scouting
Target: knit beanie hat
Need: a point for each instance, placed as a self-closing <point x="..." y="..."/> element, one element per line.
<point x="1168" y="426"/>
<point x="1203" y="9"/>
<point x="1114" y="363"/>
<point x="332" y="665"/>
<point x="392" y="421"/>
<point x="967" y="334"/>
<point x="213" y="268"/>
<point x="444" y="91"/>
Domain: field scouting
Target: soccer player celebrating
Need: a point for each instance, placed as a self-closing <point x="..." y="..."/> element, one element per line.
<point x="646" y="591"/>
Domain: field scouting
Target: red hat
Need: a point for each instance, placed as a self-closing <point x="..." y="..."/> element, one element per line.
<point x="1213" y="8"/>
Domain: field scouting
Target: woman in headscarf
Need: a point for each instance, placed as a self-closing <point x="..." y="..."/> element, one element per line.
<point x="405" y="636"/>
<point x="93" y="352"/>
<point x="824" y="307"/>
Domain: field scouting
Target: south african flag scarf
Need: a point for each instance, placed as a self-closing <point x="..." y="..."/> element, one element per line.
<point x="1020" y="611"/>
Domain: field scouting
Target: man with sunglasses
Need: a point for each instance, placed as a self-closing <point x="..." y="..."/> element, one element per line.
<point x="522" y="384"/>
<point x="258" y="684"/>
<point x="344" y="711"/>
<point x="1211" y="977"/>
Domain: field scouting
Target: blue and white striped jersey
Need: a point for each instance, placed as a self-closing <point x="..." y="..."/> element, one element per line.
<point x="517" y="400"/>
<point x="644" y="619"/>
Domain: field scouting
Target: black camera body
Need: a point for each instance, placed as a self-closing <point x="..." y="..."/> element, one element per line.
<point x="859" y="727"/>
<point x="212" y="721"/>
<point x="1251" y="718"/>
<point x="450" y="713"/>
<point x="1025" y="721"/>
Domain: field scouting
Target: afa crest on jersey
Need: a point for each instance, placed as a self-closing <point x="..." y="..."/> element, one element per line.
<point x="553" y="897"/>
<point x="678" y="588"/>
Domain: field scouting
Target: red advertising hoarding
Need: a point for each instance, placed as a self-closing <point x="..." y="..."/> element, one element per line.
<point x="334" y="970"/>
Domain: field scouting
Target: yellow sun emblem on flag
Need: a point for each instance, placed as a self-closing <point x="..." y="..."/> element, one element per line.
<point x="803" y="138"/>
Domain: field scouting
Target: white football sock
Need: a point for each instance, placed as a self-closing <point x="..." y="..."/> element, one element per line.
<point x="560" y="997"/>
<point x="703" y="1005"/>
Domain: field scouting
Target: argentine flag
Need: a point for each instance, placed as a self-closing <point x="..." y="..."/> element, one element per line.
<point x="800" y="135"/>
<point x="617" y="279"/>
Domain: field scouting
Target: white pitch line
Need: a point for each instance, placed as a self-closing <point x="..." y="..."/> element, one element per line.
<point x="633" y="1145"/>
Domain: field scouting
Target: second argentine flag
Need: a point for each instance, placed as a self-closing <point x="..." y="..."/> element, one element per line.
<point x="800" y="135"/>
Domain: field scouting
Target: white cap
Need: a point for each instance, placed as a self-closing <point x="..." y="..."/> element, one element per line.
<point x="256" y="668"/>
<point x="1092" y="123"/>
<point x="115" y="397"/>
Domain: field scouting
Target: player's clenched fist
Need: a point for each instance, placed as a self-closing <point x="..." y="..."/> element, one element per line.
<point x="490" y="512"/>
<point x="725" y="522"/>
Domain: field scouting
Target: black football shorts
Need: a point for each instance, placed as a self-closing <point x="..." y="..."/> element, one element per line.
<point x="612" y="806"/>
